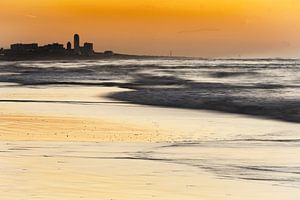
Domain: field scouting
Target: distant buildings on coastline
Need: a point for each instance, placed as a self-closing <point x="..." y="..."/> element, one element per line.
<point x="55" y="49"/>
<point x="86" y="49"/>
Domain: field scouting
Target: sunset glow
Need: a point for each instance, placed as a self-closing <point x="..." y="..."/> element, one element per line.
<point x="216" y="28"/>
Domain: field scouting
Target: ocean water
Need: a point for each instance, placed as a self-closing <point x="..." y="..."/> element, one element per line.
<point x="263" y="88"/>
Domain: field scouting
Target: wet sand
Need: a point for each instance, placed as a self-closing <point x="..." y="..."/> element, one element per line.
<point x="74" y="143"/>
<point x="92" y="171"/>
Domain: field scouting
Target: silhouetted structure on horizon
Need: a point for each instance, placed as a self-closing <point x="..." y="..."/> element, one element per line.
<point x="69" y="46"/>
<point x="54" y="48"/>
<point x="24" y="48"/>
<point x="86" y="50"/>
<point x="33" y="50"/>
<point x="76" y="43"/>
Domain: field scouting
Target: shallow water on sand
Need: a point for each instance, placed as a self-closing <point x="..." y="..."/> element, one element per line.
<point x="210" y="170"/>
<point x="61" y="139"/>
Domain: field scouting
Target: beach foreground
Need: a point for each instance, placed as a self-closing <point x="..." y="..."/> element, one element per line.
<point x="85" y="170"/>
<point x="60" y="151"/>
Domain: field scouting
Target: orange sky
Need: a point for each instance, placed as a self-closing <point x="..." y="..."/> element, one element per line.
<point x="215" y="28"/>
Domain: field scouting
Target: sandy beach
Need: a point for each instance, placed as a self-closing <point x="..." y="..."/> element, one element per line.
<point x="76" y="142"/>
<point x="61" y="151"/>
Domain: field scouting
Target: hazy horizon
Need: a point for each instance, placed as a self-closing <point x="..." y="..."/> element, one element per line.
<point x="236" y="28"/>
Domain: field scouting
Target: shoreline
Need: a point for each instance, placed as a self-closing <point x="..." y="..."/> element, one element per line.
<point x="218" y="85"/>
<point x="116" y="56"/>
<point x="73" y="142"/>
<point x="96" y="56"/>
<point x="92" y="151"/>
<point x="94" y="121"/>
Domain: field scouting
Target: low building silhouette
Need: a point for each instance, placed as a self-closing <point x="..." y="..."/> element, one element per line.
<point x="108" y="53"/>
<point x="54" y="48"/>
<point x="23" y="48"/>
<point x="87" y="49"/>
<point x="69" y="46"/>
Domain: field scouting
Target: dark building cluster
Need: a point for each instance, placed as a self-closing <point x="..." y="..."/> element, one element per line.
<point x="54" y="49"/>
<point x="86" y="49"/>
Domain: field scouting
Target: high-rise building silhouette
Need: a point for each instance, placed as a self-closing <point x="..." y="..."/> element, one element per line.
<point x="76" y="42"/>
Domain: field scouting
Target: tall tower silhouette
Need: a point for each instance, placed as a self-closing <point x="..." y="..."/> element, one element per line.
<point x="76" y="42"/>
